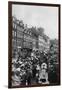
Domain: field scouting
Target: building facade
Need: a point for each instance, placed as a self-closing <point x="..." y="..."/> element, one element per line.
<point x="44" y="45"/>
<point x="17" y="35"/>
<point x="24" y="37"/>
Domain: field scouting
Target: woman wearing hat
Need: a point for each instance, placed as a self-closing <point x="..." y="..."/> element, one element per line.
<point x="43" y="75"/>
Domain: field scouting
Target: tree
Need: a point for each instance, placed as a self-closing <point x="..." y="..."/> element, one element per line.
<point x="34" y="31"/>
<point x="40" y="31"/>
<point x="53" y="60"/>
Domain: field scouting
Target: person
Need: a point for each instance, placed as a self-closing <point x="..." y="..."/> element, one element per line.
<point x="37" y="73"/>
<point x="34" y="71"/>
<point x="23" y="77"/>
<point x="15" y="78"/>
<point x="43" y="75"/>
<point x="28" y="72"/>
<point x="28" y="76"/>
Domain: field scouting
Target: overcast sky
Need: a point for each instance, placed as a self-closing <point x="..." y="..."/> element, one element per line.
<point x="39" y="16"/>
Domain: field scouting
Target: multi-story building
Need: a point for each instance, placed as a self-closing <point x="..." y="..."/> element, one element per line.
<point x="44" y="43"/>
<point x="24" y="37"/>
<point x="14" y="30"/>
<point x="30" y="38"/>
<point x="17" y="34"/>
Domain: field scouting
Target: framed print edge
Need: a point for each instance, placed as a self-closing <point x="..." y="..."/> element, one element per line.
<point x="10" y="42"/>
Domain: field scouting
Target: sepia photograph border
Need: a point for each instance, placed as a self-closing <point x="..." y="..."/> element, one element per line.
<point x="10" y="3"/>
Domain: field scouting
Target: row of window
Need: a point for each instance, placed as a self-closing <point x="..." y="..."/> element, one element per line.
<point x="14" y="33"/>
<point x="14" y="26"/>
<point x="20" y="28"/>
<point x="20" y="42"/>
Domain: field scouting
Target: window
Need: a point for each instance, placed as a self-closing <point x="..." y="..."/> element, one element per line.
<point x="15" y="34"/>
<point x="19" y="34"/>
<point x="15" y="26"/>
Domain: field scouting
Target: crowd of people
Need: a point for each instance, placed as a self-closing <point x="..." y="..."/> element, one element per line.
<point x="29" y="68"/>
